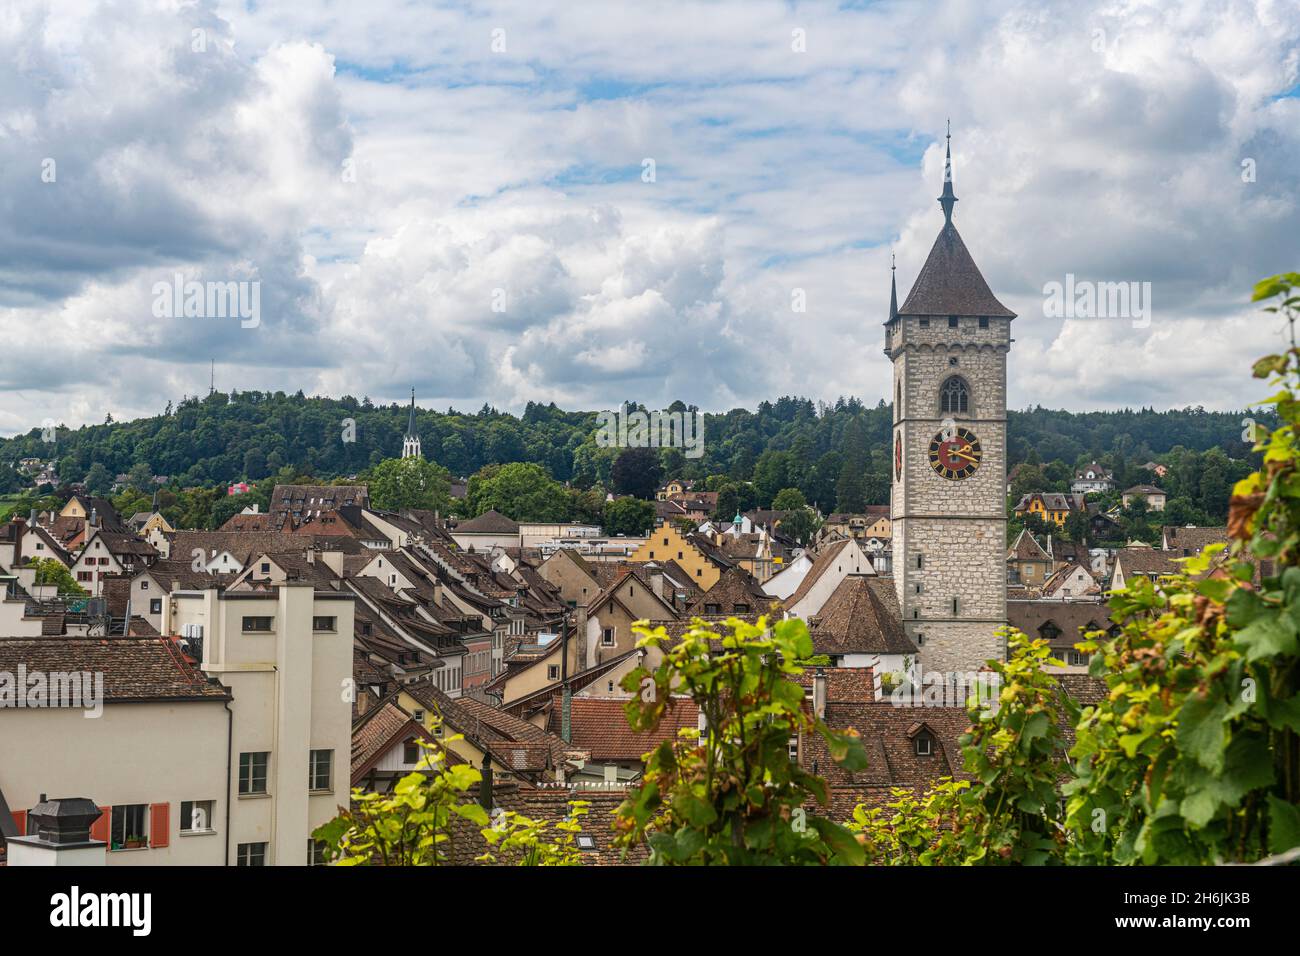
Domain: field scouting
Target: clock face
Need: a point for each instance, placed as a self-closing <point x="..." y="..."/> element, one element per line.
<point x="898" y="456"/>
<point x="955" y="458"/>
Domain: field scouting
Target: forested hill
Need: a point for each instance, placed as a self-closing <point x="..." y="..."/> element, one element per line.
<point x="249" y="435"/>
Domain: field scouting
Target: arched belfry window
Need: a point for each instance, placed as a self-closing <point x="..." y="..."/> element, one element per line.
<point x="954" y="397"/>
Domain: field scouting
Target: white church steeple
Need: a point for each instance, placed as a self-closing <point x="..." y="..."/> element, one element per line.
<point x="411" y="443"/>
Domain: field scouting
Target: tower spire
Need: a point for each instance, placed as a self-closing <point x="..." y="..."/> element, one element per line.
<point x="411" y="443"/>
<point x="947" y="199"/>
<point x="893" y="289"/>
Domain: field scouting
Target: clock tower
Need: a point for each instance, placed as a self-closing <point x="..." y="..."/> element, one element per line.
<point x="949" y="342"/>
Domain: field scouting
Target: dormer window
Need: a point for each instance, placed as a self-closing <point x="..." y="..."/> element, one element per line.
<point x="924" y="745"/>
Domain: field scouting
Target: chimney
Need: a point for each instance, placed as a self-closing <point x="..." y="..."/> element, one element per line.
<point x="819" y="693"/>
<point x="93" y="520"/>
<point x="61" y="837"/>
<point x="31" y="518"/>
<point x="657" y="581"/>
<point x="333" y="560"/>
<point x="485" y="785"/>
<point x="437" y="591"/>
<point x="581" y="635"/>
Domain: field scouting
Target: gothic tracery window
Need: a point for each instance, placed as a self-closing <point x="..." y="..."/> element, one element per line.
<point x="954" y="396"/>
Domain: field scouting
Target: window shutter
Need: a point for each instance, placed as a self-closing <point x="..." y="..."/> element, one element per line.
<point x="159" y="823"/>
<point x="20" y="820"/>
<point x="99" y="829"/>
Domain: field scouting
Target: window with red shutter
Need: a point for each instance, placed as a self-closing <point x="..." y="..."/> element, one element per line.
<point x="20" y="820"/>
<point x="159" y="824"/>
<point x="99" y="829"/>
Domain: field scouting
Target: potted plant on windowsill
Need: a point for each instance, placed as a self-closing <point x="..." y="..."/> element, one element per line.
<point x="135" y="843"/>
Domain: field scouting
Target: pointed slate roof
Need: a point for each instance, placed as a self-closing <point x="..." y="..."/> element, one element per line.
<point x="862" y="616"/>
<point x="951" y="284"/>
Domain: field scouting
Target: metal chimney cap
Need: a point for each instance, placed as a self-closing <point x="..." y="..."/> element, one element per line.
<point x="64" y="820"/>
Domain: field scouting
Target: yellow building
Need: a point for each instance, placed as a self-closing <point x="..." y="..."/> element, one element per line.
<point x="668" y="544"/>
<point x="1050" y="506"/>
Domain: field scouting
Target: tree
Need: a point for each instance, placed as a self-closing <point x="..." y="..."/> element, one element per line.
<point x="789" y="499"/>
<point x="50" y="571"/>
<point x="97" y="479"/>
<point x="629" y="516"/>
<point x="774" y="471"/>
<point x="140" y="477"/>
<point x="731" y="794"/>
<point x="800" y="524"/>
<point x="637" y="472"/>
<point x="398" y="483"/>
<point x="520" y="491"/>
<point x="254" y="464"/>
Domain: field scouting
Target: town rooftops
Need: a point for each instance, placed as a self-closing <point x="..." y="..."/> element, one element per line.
<point x="489" y="522"/>
<point x="135" y="669"/>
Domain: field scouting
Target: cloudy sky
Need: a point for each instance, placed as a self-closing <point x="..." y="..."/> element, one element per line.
<point x="587" y="202"/>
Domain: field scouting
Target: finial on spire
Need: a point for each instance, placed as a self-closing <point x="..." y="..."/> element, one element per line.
<point x="947" y="200"/>
<point x="893" y="289"/>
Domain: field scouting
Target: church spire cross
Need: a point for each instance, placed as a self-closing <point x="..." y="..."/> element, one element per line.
<point x="947" y="200"/>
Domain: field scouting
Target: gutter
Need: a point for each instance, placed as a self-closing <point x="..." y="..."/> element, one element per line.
<point x="230" y="739"/>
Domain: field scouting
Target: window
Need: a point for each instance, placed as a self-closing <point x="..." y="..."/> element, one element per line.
<point x="920" y="562"/>
<point x="252" y="772"/>
<point x="266" y="567"/>
<point x="196" y="816"/>
<point x="144" y="585"/>
<point x="320" y="770"/>
<point x="792" y="746"/>
<point x="586" y="842"/>
<point x="553" y="672"/>
<point x="713" y="609"/>
<point x="127" y="827"/>
<point x="324" y="624"/>
<point x="1077" y="658"/>
<point x="417" y="716"/>
<point x="740" y="608"/>
<point x="984" y="321"/>
<point x="956" y="606"/>
<point x="85" y="575"/>
<point x="410" y="751"/>
<point x="315" y="853"/>
<point x="607" y="637"/>
<point x="924" y="745"/>
<point x="952" y="321"/>
<point x="954" y="397"/>
<point x="611" y="687"/>
<point x="925" y="323"/>
<point x="155" y="605"/>
<point x="365" y="628"/>
<point x="253" y="625"/>
<point x="251" y="854"/>
<point x="917" y="587"/>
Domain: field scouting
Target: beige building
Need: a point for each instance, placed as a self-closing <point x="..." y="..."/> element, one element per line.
<point x="286" y="655"/>
<point x="154" y="755"/>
